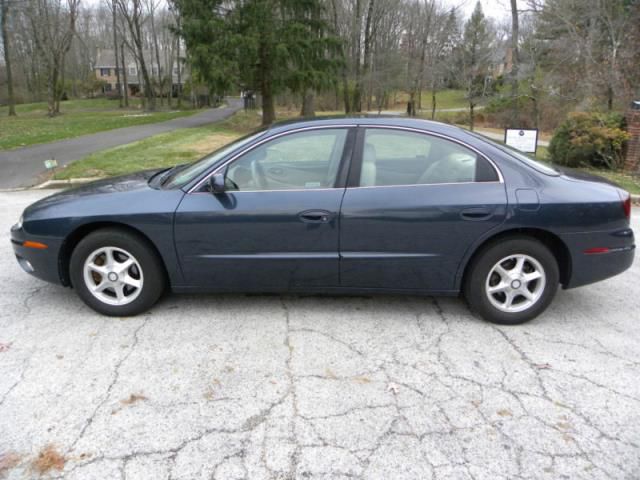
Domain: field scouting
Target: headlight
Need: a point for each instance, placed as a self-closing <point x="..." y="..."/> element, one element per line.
<point x="18" y="225"/>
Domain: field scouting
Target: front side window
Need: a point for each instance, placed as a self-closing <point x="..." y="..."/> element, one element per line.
<point x="303" y="160"/>
<point x="396" y="157"/>
<point x="104" y="72"/>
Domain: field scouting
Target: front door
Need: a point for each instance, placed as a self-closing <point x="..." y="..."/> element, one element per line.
<point x="276" y="225"/>
<point x="418" y="203"/>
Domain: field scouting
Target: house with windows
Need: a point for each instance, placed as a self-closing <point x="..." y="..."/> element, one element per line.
<point x="105" y="70"/>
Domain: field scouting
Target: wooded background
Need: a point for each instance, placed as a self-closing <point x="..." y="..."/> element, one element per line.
<point x="543" y="61"/>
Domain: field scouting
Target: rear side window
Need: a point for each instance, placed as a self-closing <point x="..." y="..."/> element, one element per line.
<point x="398" y="157"/>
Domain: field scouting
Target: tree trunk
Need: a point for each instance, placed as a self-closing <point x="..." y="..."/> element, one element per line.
<point x="60" y="91"/>
<point x="357" y="93"/>
<point x="515" y="63"/>
<point x="308" y="104"/>
<point x="266" y="87"/>
<point x="4" y="11"/>
<point x="157" y="51"/>
<point x="179" y="92"/>
<point x="148" y="87"/>
<point x="52" y="81"/>
<point x="356" y="105"/>
<point x="433" y="102"/>
<point x="125" y="86"/>
<point x="115" y="49"/>
<point x="471" y="115"/>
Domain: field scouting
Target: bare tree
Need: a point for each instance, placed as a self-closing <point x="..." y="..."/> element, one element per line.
<point x="132" y="12"/>
<point x="4" y="13"/>
<point x="515" y="62"/>
<point x="53" y="24"/>
<point x="114" y="12"/>
<point x="152" y="6"/>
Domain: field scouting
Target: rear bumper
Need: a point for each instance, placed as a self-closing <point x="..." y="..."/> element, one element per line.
<point x="596" y="256"/>
<point x="41" y="263"/>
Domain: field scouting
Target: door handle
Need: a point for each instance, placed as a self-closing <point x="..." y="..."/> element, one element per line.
<point x="315" y="216"/>
<point x="476" y="214"/>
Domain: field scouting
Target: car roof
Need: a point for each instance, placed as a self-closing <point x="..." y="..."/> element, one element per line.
<point x="364" y="120"/>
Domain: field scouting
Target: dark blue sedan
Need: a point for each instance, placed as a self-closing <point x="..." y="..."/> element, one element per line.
<point x="350" y="205"/>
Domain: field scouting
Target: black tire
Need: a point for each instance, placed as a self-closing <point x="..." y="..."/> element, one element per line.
<point x="475" y="285"/>
<point x="151" y="271"/>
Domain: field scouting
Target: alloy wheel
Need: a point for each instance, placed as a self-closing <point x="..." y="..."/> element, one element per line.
<point x="113" y="276"/>
<point x="515" y="283"/>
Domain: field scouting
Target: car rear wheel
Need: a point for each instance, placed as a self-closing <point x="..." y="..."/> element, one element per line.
<point x="116" y="273"/>
<point x="512" y="281"/>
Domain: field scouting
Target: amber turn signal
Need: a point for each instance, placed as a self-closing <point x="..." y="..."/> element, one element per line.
<point x="30" y="244"/>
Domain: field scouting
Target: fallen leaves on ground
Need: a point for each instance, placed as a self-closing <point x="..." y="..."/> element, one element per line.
<point x="49" y="459"/>
<point x="133" y="398"/>
<point x="8" y="461"/>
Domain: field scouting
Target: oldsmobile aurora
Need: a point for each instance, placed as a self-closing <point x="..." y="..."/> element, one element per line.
<point x="349" y="205"/>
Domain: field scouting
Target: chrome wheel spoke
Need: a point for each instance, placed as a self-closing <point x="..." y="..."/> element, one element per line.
<point x="519" y="265"/>
<point x="132" y="282"/>
<point x="101" y="286"/>
<point x="526" y="294"/>
<point x="530" y="277"/>
<point x="98" y="269"/>
<point x="508" y="301"/>
<point x="109" y="259"/>
<point x="124" y="266"/>
<point x="501" y="272"/>
<point x="501" y="287"/>
<point x="119" y="289"/>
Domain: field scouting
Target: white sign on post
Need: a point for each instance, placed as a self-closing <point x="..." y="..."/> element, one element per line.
<point x="521" y="139"/>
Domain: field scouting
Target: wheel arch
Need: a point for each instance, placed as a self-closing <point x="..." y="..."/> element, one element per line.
<point x="72" y="240"/>
<point x="554" y="243"/>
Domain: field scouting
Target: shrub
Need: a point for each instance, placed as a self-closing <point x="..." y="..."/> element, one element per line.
<point x="589" y="139"/>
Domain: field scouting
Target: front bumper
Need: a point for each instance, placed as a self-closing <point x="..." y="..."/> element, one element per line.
<point x="41" y="263"/>
<point x="589" y="264"/>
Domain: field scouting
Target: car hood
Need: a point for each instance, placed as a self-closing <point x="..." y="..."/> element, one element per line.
<point x="124" y="183"/>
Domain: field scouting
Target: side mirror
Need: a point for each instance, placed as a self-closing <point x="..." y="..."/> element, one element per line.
<point x="217" y="183"/>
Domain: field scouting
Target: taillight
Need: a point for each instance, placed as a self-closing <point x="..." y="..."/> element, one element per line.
<point x="626" y="205"/>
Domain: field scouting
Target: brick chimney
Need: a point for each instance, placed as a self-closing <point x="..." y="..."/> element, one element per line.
<point x="632" y="157"/>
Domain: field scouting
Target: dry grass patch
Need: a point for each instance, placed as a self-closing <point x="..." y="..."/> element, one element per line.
<point x="212" y="142"/>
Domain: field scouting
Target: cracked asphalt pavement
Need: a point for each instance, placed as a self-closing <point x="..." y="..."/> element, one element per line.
<point x="268" y="387"/>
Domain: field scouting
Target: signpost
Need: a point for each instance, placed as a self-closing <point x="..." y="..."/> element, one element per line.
<point x="522" y="139"/>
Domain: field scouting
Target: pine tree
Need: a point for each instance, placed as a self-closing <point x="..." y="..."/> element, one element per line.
<point x="263" y="45"/>
<point x="476" y="54"/>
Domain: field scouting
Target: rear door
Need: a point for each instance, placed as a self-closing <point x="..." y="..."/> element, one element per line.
<point x="276" y="226"/>
<point x="415" y="204"/>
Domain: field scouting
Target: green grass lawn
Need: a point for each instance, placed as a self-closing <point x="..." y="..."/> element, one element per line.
<point x="164" y="150"/>
<point x="189" y="144"/>
<point x="78" y="117"/>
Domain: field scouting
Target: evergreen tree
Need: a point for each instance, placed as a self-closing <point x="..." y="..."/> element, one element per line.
<point x="476" y="58"/>
<point x="264" y="45"/>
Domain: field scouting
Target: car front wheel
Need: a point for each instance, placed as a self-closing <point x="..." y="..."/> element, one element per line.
<point x="512" y="281"/>
<point x="116" y="273"/>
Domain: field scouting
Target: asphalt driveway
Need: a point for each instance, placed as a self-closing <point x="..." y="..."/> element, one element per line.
<point x="24" y="167"/>
<point x="266" y="387"/>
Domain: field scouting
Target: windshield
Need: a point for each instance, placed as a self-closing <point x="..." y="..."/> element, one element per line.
<point x="185" y="175"/>
<point x="518" y="155"/>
